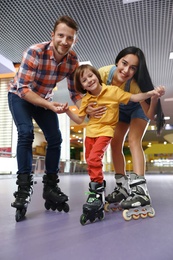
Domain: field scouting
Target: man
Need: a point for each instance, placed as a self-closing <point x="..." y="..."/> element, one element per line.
<point x="43" y="65"/>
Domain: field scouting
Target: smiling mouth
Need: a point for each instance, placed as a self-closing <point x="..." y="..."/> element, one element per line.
<point x="124" y="76"/>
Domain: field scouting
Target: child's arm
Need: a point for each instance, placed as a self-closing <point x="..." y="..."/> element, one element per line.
<point x="77" y="119"/>
<point x="158" y="91"/>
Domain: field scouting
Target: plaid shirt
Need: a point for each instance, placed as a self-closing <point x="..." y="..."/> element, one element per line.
<point x="40" y="72"/>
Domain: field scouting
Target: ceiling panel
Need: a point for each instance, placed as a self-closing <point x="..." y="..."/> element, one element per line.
<point x="106" y="27"/>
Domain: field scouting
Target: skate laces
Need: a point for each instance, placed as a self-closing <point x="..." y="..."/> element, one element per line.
<point x="58" y="191"/>
<point x="92" y="196"/>
<point x="21" y="193"/>
<point x="117" y="191"/>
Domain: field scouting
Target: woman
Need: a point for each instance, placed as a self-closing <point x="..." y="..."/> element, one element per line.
<point x="130" y="74"/>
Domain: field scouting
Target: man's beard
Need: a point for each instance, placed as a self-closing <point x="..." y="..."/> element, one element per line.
<point x="60" y="51"/>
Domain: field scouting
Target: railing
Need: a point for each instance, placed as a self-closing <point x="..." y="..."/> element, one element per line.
<point x="68" y="166"/>
<point x="8" y="165"/>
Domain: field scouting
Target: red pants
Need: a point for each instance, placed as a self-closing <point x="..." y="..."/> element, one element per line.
<point x="95" y="149"/>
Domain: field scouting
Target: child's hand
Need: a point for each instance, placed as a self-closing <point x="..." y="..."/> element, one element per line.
<point x="160" y="90"/>
<point x="62" y="108"/>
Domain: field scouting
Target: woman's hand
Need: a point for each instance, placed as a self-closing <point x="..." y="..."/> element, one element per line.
<point x="96" y="112"/>
<point x="160" y="92"/>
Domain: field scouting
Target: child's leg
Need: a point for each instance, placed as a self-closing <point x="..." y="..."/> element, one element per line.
<point x="94" y="206"/>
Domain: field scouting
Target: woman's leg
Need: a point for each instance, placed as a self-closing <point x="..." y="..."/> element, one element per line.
<point x="122" y="188"/>
<point x="139" y="192"/>
<point x="137" y="130"/>
<point x="117" y="144"/>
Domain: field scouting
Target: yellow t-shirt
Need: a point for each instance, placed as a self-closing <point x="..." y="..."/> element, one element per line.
<point x="104" y="73"/>
<point x="110" y="97"/>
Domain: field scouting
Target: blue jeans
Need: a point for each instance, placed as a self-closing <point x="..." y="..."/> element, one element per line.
<point x="23" y="112"/>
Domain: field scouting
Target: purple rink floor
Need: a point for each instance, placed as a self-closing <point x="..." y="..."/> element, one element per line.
<point x="53" y="235"/>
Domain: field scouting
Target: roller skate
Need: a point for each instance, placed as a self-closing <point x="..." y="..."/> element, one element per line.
<point x="120" y="193"/>
<point x="94" y="206"/>
<point x="138" y="204"/>
<point x="55" y="199"/>
<point x="22" y="195"/>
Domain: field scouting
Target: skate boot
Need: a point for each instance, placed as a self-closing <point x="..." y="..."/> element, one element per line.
<point x="23" y="194"/>
<point x="120" y="193"/>
<point x="138" y="204"/>
<point x="54" y="197"/>
<point x="94" y="206"/>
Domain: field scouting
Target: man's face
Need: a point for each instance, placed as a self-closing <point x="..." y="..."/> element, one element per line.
<point x="63" y="39"/>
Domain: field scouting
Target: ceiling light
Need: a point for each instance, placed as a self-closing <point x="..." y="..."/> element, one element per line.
<point x="85" y="62"/>
<point x="130" y="1"/>
<point x="168" y="99"/>
<point x="166" y="117"/>
<point x="171" y="55"/>
<point x="152" y="127"/>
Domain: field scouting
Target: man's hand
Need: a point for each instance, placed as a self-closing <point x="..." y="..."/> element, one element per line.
<point x="59" y="108"/>
<point x="96" y="112"/>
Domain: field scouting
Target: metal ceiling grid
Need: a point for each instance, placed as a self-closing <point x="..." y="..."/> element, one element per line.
<point x="106" y="27"/>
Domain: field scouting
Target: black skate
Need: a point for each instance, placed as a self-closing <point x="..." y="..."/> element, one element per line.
<point x="120" y="193"/>
<point x="94" y="206"/>
<point x="55" y="199"/>
<point x="23" y="195"/>
<point x="138" y="204"/>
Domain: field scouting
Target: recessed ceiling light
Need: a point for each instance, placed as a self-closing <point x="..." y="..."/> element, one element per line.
<point x="168" y="99"/>
<point x="171" y="55"/>
<point x="130" y="1"/>
<point x="166" y="117"/>
<point x="85" y="62"/>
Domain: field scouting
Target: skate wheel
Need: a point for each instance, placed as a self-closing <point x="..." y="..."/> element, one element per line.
<point x="136" y="216"/>
<point x="59" y="208"/>
<point x="144" y="215"/>
<point x="106" y="207"/>
<point x="152" y="213"/>
<point x="83" y="219"/>
<point x="101" y="215"/>
<point x="66" y="208"/>
<point x="125" y="215"/>
<point x="47" y="205"/>
<point x="114" y="209"/>
<point x="20" y="213"/>
<point x="92" y="220"/>
<point x="53" y="207"/>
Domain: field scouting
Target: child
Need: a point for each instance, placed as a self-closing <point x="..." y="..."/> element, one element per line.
<point x="99" y="131"/>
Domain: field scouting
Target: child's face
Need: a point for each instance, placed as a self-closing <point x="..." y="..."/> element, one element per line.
<point x="89" y="81"/>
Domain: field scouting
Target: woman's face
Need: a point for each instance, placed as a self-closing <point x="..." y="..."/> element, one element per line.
<point x="126" y="68"/>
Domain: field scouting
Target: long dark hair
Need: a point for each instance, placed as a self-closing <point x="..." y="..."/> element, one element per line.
<point x="142" y="75"/>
